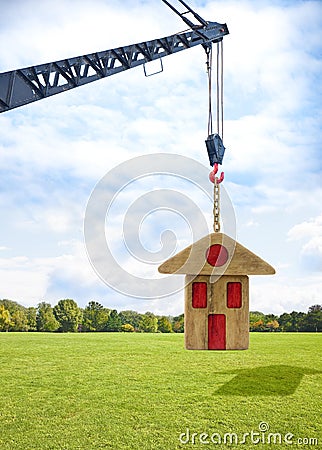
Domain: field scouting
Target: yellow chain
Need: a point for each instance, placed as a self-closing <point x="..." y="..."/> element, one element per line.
<point x="216" y="206"/>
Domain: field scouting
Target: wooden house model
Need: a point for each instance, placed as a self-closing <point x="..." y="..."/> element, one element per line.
<point x="216" y="291"/>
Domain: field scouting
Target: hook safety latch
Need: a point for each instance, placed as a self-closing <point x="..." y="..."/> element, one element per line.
<point x="212" y="175"/>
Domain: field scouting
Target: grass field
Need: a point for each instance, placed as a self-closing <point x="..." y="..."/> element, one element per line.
<point x="142" y="391"/>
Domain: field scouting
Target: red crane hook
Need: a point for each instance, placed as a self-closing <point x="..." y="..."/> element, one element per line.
<point x="212" y="175"/>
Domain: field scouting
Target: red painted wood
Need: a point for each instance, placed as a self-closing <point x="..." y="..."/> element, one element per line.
<point x="199" y="295"/>
<point x="234" y="295"/>
<point x="217" y="255"/>
<point x="217" y="332"/>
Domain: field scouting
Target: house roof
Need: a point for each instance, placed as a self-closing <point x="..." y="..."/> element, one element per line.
<point x="216" y="254"/>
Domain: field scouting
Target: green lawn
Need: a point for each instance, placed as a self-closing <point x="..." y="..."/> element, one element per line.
<point x="141" y="391"/>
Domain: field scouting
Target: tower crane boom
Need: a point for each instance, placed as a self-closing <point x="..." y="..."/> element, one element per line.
<point x="22" y="86"/>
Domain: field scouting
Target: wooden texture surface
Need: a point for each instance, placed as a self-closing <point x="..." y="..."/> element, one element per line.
<point x="195" y="319"/>
<point x="237" y="319"/>
<point x="193" y="259"/>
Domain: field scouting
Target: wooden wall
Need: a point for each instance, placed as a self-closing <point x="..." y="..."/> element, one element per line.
<point x="236" y="318"/>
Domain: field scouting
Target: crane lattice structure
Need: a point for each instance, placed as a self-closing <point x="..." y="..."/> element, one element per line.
<point x="22" y="86"/>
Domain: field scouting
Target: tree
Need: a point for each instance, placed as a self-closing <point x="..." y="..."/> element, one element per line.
<point x="95" y="317"/>
<point x="272" y="325"/>
<point x="131" y="317"/>
<point x="18" y="315"/>
<point x="45" y="318"/>
<point x="5" y="319"/>
<point x="285" y="322"/>
<point x="68" y="315"/>
<point x="297" y="321"/>
<point x="178" y="324"/>
<point x="256" y="321"/>
<point x="148" y="323"/>
<point x="114" y="322"/>
<point x="257" y="326"/>
<point x="32" y="318"/>
<point x="270" y="317"/>
<point x="164" y="325"/>
<point x="10" y="305"/>
<point x="19" y="320"/>
<point x="313" y="319"/>
<point x="315" y="308"/>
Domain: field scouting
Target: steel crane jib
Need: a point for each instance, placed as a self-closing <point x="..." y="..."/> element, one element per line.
<point x="22" y="86"/>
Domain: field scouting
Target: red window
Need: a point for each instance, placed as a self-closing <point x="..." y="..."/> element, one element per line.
<point x="234" y="295"/>
<point x="199" y="295"/>
<point x="217" y="255"/>
<point x="216" y="332"/>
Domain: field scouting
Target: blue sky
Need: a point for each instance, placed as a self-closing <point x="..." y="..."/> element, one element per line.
<point x="54" y="152"/>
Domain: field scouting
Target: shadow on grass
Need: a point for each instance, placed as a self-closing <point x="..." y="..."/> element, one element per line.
<point x="267" y="380"/>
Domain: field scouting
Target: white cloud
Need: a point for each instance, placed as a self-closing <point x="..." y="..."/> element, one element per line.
<point x="308" y="229"/>
<point x="310" y="233"/>
<point x="29" y="280"/>
<point x="284" y="293"/>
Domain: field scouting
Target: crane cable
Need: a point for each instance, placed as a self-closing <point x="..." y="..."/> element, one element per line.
<point x="219" y="89"/>
<point x="220" y="123"/>
<point x="209" y="75"/>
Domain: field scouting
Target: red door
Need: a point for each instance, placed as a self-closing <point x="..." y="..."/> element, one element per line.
<point x="217" y="332"/>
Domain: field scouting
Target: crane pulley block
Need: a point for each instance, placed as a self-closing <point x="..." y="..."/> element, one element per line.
<point x="215" y="149"/>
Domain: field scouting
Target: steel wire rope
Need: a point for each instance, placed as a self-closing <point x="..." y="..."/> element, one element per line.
<point x="209" y="74"/>
<point x="222" y="86"/>
<point x="219" y="89"/>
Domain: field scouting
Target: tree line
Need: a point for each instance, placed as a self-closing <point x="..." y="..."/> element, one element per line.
<point x="294" y="321"/>
<point x="67" y="316"/>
